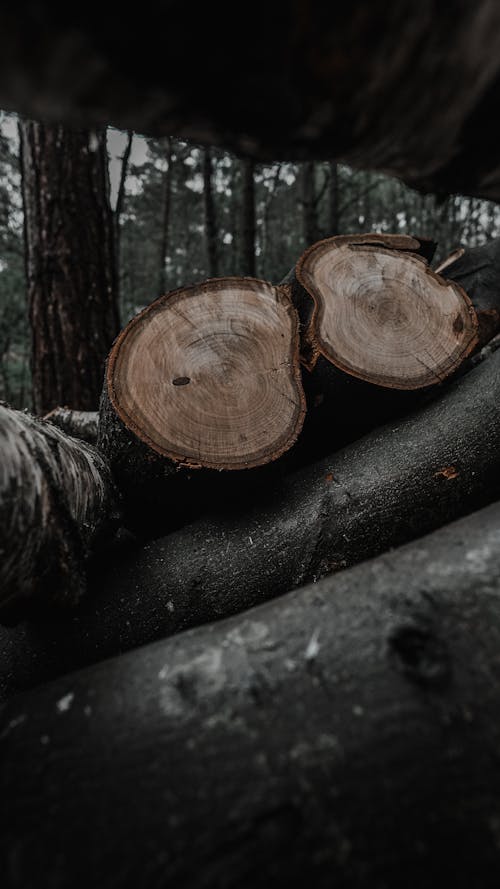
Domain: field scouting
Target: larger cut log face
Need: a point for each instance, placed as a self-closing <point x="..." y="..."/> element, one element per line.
<point x="381" y="314"/>
<point x="209" y="375"/>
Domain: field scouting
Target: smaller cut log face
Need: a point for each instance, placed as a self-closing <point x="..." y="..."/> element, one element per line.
<point x="382" y="315"/>
<point x="210" y="375"/>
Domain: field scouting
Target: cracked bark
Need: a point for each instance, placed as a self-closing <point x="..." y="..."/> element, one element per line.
<point x="399" y="482"/>
<point x="381" y="687"/>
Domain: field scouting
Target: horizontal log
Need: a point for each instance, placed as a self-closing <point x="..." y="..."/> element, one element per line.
<point x="396" y="484"/>
<point x="394" y="86"/>
<point x="344" y="735"/>
<point x="57" y="501"/>
<point x="79" y="424"/>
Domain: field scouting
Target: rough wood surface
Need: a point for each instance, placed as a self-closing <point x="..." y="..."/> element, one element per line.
<point x="70" y="263"/>
<point x="387" y="84"/>
<point x="396" y="484"/>
<point x="56" y="501"/>
<point x="381" y="314"/>
<point x="79" y="424"/>
<point x="345" y="735"/>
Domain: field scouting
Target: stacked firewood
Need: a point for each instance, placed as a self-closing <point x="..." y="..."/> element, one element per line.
<point x="254" y="439"/>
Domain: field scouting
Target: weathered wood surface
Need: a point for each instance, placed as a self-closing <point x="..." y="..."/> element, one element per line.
<point x="56" y="500"/>
<point x="407" y="89"/>
<point x="79" y="424"/>
<point x="346" y="734"/>
<point x="394" y="485"/>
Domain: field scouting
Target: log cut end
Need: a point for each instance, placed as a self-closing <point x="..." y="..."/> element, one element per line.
<point x="381" y="314"/>
<point x="210" y="375"/>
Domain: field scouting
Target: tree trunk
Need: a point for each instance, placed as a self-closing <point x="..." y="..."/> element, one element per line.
<point x="308" y="202"/>
<point x="248" y="219"/>
<point x="79" y="424"/>
<point x="333" y="200"/>
<point x="323" y="86"/>
<point x="56" y="501"/>
<point x="210" y="220"/>
<point x="344" y="735"/>
<point x="70" y="264"/>
<point x="396" y="484"/>
<point x="165" y="231"/>
<point x="228" y="397"/>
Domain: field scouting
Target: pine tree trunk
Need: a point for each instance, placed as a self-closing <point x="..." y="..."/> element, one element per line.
<point x="72" y="282"/>
<point x="308" y="201"/>
<point x="165" y="231"/>
<point x="333" y="201"/>
<point x="345" y="735"/>
<point x="248" y="219"/>
<point x="210" y="220"/>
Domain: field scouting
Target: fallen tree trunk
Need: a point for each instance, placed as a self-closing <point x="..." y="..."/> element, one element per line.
<point x="56" y="501"/>
<point x="207" y="376"/>
<point x="392" y="86"/>
<point x="346" y="734"/>
<point x="79" y="424"/>
<point x="394" y="485"/>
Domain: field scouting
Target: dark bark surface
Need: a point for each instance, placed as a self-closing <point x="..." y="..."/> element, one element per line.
<point x="210" y="220"/>
<point x="248" y="219"/>
<point x="394" y="485"/>
<point x="392" y="86"/>
<point x="167" y="203"/>
<point x="70" y="264"/>
<point x="346" y="734"/>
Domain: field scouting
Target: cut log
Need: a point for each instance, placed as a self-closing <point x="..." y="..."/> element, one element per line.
<point x="57" y="501"/>
<point x="344" y="735"/>
<point x="79" y="424"/>
<point x="207" y="376"/>
<point x="477" y="270"/>
<point x="378" y="312"/>
<point x="394" y="485"/>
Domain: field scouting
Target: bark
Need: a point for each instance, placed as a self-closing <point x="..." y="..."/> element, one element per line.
<point x="210" y="220"/>
<point x="71" y="273"/>
<point x="477" y="270"/>
<point x="79" y="424"/>
<point x="165" y="232"/>
<point x="423" y="113"/>
<point x="333" y="201"/>
<point x="248" y="219"/>
<point x="230" y="399"/>
<point x="120" y="197"/>
<point x="308" y="201"/>
<point x="346" y="734"/>
<point x="56" y="502"/>
<point x="398" y="483"/>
